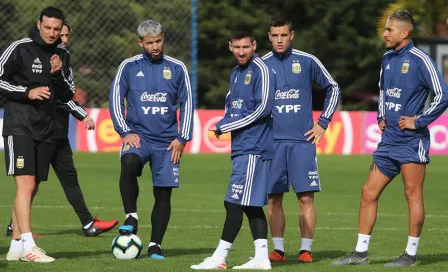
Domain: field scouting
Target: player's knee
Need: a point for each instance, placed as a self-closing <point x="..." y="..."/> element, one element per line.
<point x="413" y="194"/>
<point x="368" y="194"/>
<point x="275" y="201"/>
<point x="306" y="199"/>
<point x="131" y="164"/>
<point x="162" y="194"/>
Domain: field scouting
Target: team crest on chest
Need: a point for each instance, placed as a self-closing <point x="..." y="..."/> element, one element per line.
<point x="20" y="163"/>
<point x="248" y="77"/>
<point x="296" y="68"/>
<point x="167" y="73"/>
<point x="405" y="67"/>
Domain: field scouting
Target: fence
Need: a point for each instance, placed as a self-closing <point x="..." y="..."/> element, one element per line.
<point x="104" y="33"/>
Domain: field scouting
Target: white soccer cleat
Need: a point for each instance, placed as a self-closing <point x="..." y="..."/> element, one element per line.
<point x="36" y="255"/>
<point x="209" y="264"/>
<point x="13" y="256"/>
<point x="255" y="264"/>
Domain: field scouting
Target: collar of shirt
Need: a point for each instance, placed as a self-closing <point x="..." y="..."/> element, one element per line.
<point x="405" y="48"/>
<point x="244" y="67"/>
<point x="147" y="57"/>
<point x="284" y="56"/>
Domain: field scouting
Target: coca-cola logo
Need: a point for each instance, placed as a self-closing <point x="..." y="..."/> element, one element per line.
<point x="157" y="97"/>
<point x="290" y="94"/>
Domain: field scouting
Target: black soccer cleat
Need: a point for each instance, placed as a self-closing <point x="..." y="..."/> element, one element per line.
<point x="356" y="258"/>
<point x="403" y="260"/>
<point x="130" y="226"/>
<point x="9" y="229"/>
<point x="155" y="252"/>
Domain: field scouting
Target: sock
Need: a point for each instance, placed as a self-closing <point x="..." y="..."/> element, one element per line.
<point x="154" y="244"/>
<point x="161" y="213"/>
<point x="134" y="214"/>
<point x="16" y="245"/>
<point x="306" y="244"/>
<point x="88" y="225"/>
<point x="261" y="249"/>
<point x="221" y="251"/>
<point x="363" y="242"/>
<point x="279" y="243"/>
<point x="28" y="241"/>
<point x="412" y="246"/>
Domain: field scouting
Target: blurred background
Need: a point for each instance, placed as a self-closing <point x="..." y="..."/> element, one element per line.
<point x="344" y="34"/>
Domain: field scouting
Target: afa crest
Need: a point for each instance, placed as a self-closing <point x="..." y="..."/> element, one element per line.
<point x="167" y="73"/>
<point x="20" y="163"/>
<point x="126" y="147"/>
<point x="248" y="78"/>
<point x="405" y="67"/>
<point x="296" y="68"/>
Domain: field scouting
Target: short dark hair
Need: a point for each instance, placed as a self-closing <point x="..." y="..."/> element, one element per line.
<point x="68" y="26"/>
<point x="240" y="31"/>
<point x="280" y="20"/>
<point x="403" y="16"/>
<point x="52" y="12"/>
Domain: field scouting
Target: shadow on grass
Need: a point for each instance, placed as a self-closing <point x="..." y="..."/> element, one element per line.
<point x="3" y="264"/>
<point x="79" y="254"/>
<point x="318" y="256"/>
<point x="171" y="252"/>
<point x="4" y="249"/>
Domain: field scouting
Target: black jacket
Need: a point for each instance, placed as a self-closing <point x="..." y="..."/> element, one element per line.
<point x="63" y="111"/>
<point x="25" y="65"/>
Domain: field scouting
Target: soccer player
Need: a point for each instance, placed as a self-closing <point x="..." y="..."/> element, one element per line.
<point x="62" y="160"/>
<point x="406" y="78"/>
<point x="248" y="117"/>
<point x="153" y="84"/>
<point x="34" y="72"/>
<point x="295" y="134"/>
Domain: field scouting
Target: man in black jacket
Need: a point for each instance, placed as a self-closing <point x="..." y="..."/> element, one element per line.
<point x="62" y="160"/>
<point x="34" y="72"/>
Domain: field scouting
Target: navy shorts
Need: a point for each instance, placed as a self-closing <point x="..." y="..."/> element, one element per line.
<point x="165" y="173"/>
<point x="248" y="182"/>
<point x="389" y="158"/>
<point x="294" y="164"/>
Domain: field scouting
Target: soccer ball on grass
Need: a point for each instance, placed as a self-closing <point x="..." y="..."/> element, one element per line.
<point x="126" y="247"/>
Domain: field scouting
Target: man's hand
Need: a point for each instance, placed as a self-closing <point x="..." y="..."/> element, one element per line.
<point x="90" y="124"/>
<point x="382" y="125"/>
<point x="315" y="133"/>
<point x="132" y="140"/>
<point x="214" y="129"/>
<point x="56" y="64"/>
<point x="407" y="122"/>
<point x="39" y="93"/>
<point x="178" y="150"/>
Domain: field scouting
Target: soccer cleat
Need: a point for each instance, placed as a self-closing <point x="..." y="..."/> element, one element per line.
<point x="155" y="252"/>
<point x="13" y="256"/>
<point x="35" y="255"/>
<point x="277" y="256"/>
<point x="305" y="256"/>
<point x="130" y="226"/>
<point x="99" y="226"/>
<point x="255" y="264"/>
<point x="356" y="258"/>
<point x="403" y="260"/>
<point x="209" y="264"/>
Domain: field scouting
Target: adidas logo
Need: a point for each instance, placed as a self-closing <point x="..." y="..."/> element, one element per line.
<point x="177" y="180"/>
<point x="37" y="60"/>
<point x="263" y="246"/>
<point x="235" y="196"/>
<point x="414" y="244"/>
<point x="140" y="74"/>
<point x="314" y="183"/>
<point x="365" y="242"/>
<point x="387" y="67"/>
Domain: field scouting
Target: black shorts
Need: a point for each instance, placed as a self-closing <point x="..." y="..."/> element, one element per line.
<point x="26" y="156"/>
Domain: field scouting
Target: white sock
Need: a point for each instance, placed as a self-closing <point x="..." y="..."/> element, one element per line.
<point x="16" y="245"/>
<point x="306" y="244"/>
<point x="221" y="251"/>
<point x="88" y="225"/>
<point x="412" y="246"/>
<point x="28" y="241"/>
<point x="153" y="244"/>
<point x="363" y="242"/>
<point x="261" y="249"/>
<point x="279" y="243"/>
<point x="134" y="214"/>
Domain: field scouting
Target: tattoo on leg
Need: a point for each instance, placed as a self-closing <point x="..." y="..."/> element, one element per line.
<point x="373" y="166"/>
<point x="420" y="226"/>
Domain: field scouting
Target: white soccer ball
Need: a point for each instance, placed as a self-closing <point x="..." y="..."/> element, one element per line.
<point x="126" y="247"/>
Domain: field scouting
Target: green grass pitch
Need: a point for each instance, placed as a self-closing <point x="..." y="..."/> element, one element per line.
<point x="198" y="215"/>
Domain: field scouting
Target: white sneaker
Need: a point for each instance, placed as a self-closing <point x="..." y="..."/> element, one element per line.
<point x="13" y="256"/>
<point x="36" y="255"/>
<point x="256" y="264"/>
<point x="209" y="264"/>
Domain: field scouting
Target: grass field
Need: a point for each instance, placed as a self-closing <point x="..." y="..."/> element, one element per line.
<point x="198" y="216"/>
